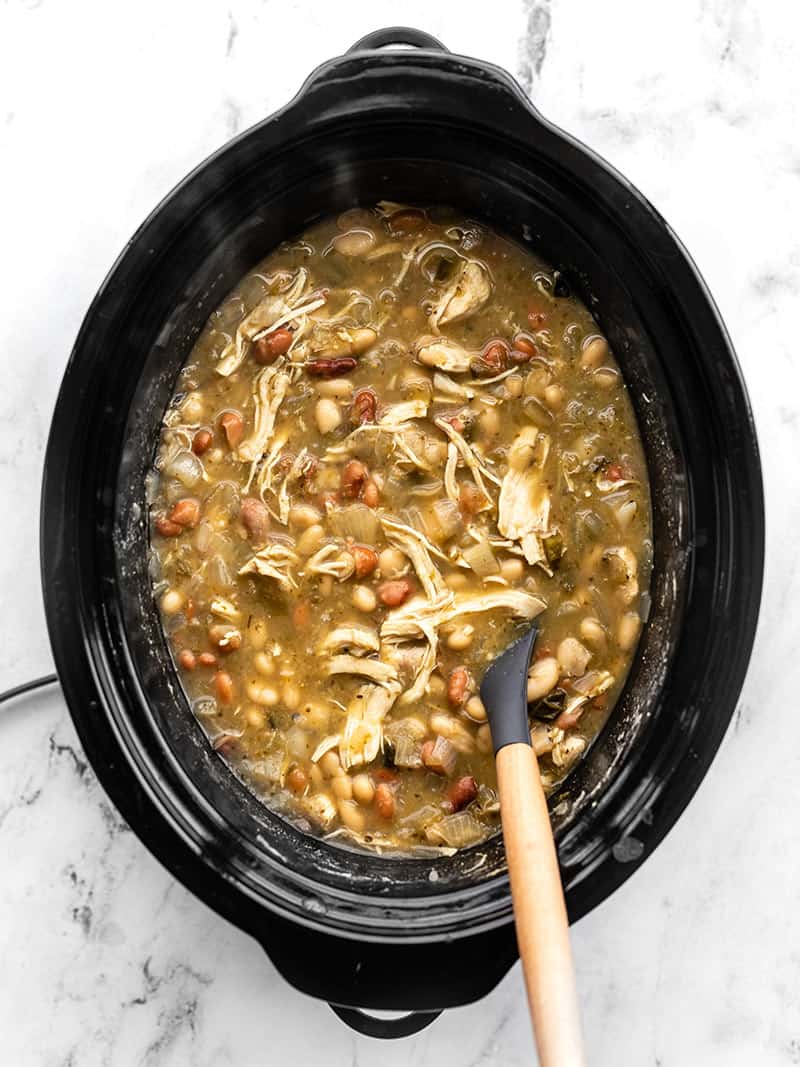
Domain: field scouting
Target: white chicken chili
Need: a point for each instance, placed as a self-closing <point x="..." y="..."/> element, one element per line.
<point x="398" y="440"/>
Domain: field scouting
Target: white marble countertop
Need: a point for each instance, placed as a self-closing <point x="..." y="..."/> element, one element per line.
<point x="103" y="107"/>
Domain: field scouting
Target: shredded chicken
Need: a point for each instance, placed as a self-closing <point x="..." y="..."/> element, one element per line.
<point x="269" y="389"/>
<point x="302" y="465"/>
<point x="362" y="736"/>
<point x="471" y="459"/>
<point x="358" y="639"/>
<point x="418" y="549"/>
<point x="450" y="483"/>
<point x="375" y="669"/>
<point x="466" y="294"/>
<point x="395" y="420"/>
<point x="275" y="310"/>
<point x="331" y="559"/>
<point x="444" y="354"/>
<point x="524" y="504"/>
<point x="521" y="604"/>
<point x="274" y="561"/>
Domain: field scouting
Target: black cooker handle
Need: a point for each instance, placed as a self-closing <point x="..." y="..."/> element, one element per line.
<point x="372" y="1026"/>
<point x="394" y="35"/>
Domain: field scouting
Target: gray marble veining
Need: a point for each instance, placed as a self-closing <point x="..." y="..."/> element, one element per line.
<point x="106" y="960"/>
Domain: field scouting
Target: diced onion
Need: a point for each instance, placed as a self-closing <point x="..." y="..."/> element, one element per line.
<point x="447" y="518"/>
<point x="457" y="830"/>
<point x="481" y="558"/>
<point x="186" y="467"/>
<point x="407" y="751"/>
<point x="356" y="521"/>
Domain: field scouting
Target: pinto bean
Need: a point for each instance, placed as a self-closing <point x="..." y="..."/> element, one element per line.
<point x="384" y="801"/>
<point x="185" y="512"/>
<point x="365" y="405"/>
<point x="267" y="349"/>
<point x="331" y="368"/>
<point x="493" y="359"/>
<point x="167" y="528"/>
<point x="187" y="659"/>
<point x="297" y="780"/>
<point x="207" y="659"/>
<point x="371" y="495"/>
<point x="462" y="792"/>
<point x="232" y="425"/>
<point x="201" y="442"/>
<point x="354" y="477"/>
<point x="457" y="686"/>
<point x="254" y="514"/>
<point x="301" y="614"/>
<point x="224" y="687"/>
<point x="524" y="345"/>
<point x="366" y="560"/>
<point x="395" y="593"/>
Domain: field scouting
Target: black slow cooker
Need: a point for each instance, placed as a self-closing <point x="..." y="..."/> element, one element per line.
<point x="413" y="124"/>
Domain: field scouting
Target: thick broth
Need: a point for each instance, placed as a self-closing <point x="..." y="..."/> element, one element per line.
<point x="398" y="440"/>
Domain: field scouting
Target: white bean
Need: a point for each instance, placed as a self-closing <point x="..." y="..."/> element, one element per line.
<point x="595" y="352"/>
<point x="171" y="602"/>
<point x="542" y="677"/>
<point x="475" y="709"/>
<point x="573" y="657"/>
<point x="606" y="377"/>
<point x="264" y="664"/>
<point x="342" y="787"/>
<point x="512" y="569"/>
<point x="363" y="789"/>
<point x="352" y="816"/>
<point x="338" y="388"/>
<point x="364" y="599"/>
<point x="304" y="515"/>
<point x="255" y="717"/>
<point x="329" y="764"/>
<point x="392" y="562"/>
<point x="554" y="396"/>
<point x="327" y="415"/>
<point x="593" y="632"/>
<point x="261" y="694"/>
<point x="310" y="540"/>
<point x="628" y="630"/>
<point x="461" y="637"/>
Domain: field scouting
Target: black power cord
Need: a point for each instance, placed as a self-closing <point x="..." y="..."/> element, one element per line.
<point x="28" y="687"/>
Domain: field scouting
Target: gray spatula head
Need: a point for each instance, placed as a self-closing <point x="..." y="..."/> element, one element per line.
<point x="504" y="692"/>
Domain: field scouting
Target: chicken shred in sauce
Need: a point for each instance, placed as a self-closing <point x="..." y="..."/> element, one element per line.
<point x="398" y="440"/>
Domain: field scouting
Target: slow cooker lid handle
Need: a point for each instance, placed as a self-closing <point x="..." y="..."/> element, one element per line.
<point x="397" y="35"/>
<point x="372" y="1026"/>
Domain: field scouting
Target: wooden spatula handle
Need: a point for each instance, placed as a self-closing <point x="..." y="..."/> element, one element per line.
<point x="539" y="910"/>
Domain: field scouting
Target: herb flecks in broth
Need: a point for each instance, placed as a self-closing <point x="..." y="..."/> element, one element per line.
<point x="397" y="441"/>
